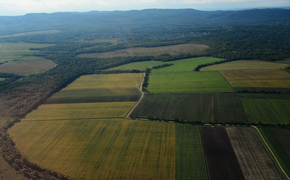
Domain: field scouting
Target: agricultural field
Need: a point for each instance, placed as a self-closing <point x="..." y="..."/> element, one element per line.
<point x="10" y="51"/>
<point x="278" y="140"/>
<point x="27" y="67"/>
<point x="2" y="79"/>
<point x="228" y="108"/>
<point x="258" y="78"/>
<point x="138" y="65"/>
<point x="187" y="64"/>
<point x="190" y="162"/>
<point x="254" y="159"/>
<point x="188" y="107"/>
<point x="79" y="111"/>
<point x="177" y="82"/>
<point x="95" y="95"/>
<point x="272" y="111"/>
<point x="105" y="81"/>
<point x="221" y="159"/>
<point x="150" y="51"/>
<point x="100" y="149"/>
<point x="244" y="64"/>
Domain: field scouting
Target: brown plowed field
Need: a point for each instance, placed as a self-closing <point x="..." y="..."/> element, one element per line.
<point x="255" y="161"/>
<point x="221" y="159"/>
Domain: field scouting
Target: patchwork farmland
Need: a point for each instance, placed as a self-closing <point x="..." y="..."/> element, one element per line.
<point x="88" y="116"/>
<point x="126" y="149"/>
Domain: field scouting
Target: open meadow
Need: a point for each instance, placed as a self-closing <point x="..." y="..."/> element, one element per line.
<point x="253" y="157"/>
<point x="177" y="82"/>
<point x="244" y="64"/>
<point x="150" y="51"/>
<point x="278" y="141"/>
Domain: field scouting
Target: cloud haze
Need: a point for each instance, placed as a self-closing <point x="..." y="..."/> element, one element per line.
<point x="20" y="7"/>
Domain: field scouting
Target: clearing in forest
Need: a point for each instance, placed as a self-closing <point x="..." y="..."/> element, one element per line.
<point x="187" y="64"/>
<point x="10" y="51"/>
<point x="177" y="82"/>
<point x="150" y="51"/>
<point x="27" y="67"/>
<point x="254" y="159"/>
<point x="244" y="64"/>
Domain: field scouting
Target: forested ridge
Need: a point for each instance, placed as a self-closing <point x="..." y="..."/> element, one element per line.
<point x="248" y="34"/>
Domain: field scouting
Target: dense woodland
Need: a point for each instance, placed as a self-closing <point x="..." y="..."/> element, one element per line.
<point x="232" y="35"/>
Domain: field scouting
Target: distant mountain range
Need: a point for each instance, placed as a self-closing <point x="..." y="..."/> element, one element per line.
<point x="136" y="19"/>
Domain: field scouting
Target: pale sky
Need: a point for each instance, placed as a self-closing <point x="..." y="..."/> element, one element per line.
<point x="21" y="7"/>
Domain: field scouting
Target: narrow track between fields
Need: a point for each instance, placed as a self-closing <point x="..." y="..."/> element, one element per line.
<point x="142" y="95"/>
<point x="271" y="153"/>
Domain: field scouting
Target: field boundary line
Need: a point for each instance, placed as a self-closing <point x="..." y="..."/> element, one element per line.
<point x="281" y="168"/>
<point x="142" y="95"/>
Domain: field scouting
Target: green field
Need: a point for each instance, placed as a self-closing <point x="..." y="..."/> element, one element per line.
<point x="2" y="79"/>
<point x="27" y="67"/>
<point x="190" y="161"/>
<point x="105" y="81"/>
<point x="278" y="140"/>
<point x="271" y="111"/>
<point x="244" y="64"/>
<point x="228" y="108"/>
<point x="187" y="64"/>
<point x="190" y="107"/>
<point x="100" y="149"/>
<point x="138" y="65"/>
<point x="95" y="95"/>
<point x="176" y="82"/>
<point x="80" y="111"/>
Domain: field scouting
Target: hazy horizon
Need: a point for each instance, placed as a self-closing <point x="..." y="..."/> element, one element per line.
<point x="17" y="7"/>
